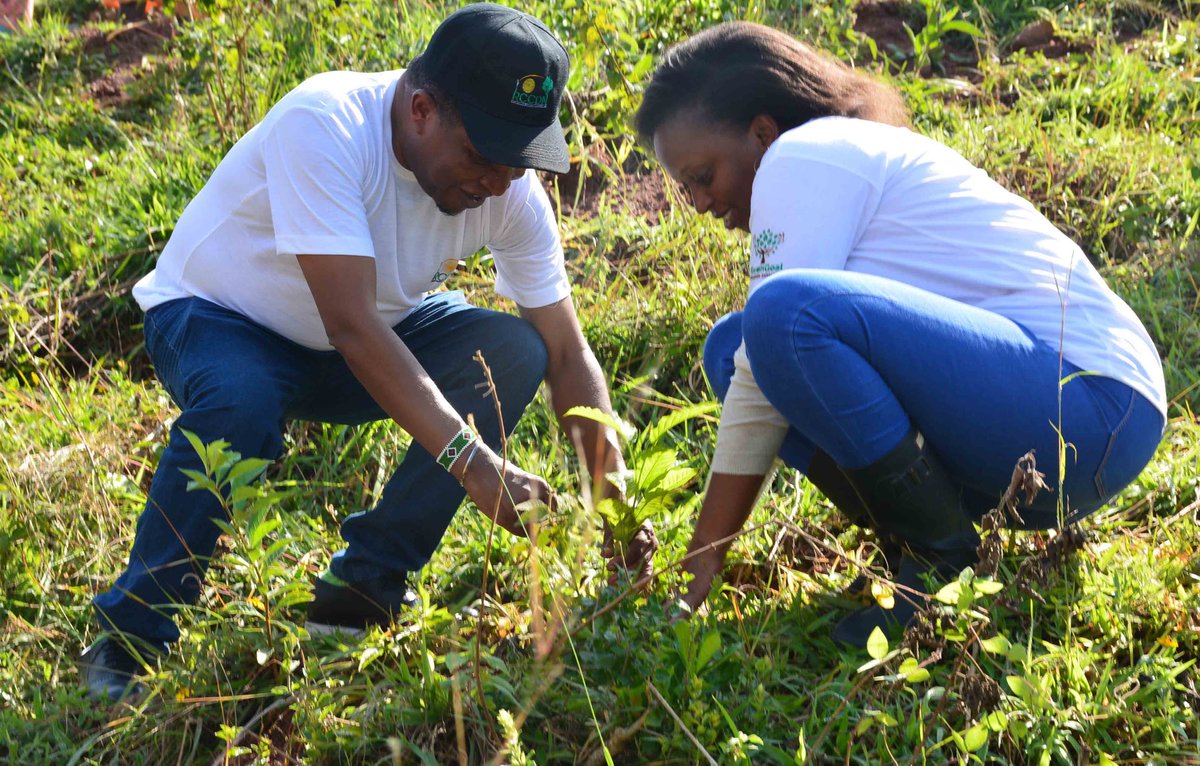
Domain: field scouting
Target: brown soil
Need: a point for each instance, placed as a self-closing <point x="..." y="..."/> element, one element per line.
<point x="124" y="51"/>
<point x="1040" y="37"/>
<point x="883" y="21"/>
<point x="640" y="189"/>
<point x="642" y="193"/>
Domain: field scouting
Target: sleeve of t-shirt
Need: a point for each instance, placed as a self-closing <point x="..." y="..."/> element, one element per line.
<point x="313" y="182"/>
<point x="527" y="250"/>
<point x="806" y="213"/>
<point x="751" y="429"/>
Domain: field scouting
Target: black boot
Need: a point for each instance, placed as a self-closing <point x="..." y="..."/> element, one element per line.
<point x="109" y="668"/>
<point x="912" y="498"/>
<point x="827" y="476"/>
<point x="351" y="608"/>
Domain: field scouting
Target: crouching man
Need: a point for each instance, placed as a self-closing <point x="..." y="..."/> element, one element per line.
<point x="297" y="286"/>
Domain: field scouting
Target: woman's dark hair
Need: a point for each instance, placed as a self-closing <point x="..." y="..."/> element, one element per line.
<point x="733" y="72"/>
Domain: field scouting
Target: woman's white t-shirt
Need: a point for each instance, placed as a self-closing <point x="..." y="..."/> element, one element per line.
<point x="855" y="195"/>
<point x="318" y="176"/>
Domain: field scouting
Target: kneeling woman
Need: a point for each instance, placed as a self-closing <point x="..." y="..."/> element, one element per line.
<point x="912" y="328"/>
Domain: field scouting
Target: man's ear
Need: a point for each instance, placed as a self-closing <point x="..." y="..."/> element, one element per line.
<point x="422" y="111"/>
<point x="765" y="130"/>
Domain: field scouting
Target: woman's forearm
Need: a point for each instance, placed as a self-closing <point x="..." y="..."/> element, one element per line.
<point x="727" y="504"/>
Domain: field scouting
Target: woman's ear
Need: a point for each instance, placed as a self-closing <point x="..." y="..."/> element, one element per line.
<point x="765" y="130"/>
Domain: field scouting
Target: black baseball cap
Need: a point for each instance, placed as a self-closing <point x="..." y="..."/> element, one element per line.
<point x="506" y="73"/>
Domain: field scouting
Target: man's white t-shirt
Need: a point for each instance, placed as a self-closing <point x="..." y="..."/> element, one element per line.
<point x="854" y="195"/>
<point x="318" y="176"/>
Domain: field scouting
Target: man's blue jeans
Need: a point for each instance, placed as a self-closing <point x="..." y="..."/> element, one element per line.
<point x="237" y="381"/>
<point x="852" y="361"/>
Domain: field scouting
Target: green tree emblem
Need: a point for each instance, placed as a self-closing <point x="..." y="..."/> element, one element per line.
<point x="766" y="242"/>
<point x="547" y="85"/>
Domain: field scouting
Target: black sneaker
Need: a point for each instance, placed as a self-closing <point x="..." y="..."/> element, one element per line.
<point x="108" y="668"/>
<point x="350" y="608"/>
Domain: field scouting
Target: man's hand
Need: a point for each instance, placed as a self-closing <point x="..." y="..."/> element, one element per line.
<point x="635" y="554"/>
<point x="483" y="485"/>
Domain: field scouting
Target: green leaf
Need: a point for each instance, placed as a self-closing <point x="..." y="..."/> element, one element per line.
<point x="988" y="587"/>
<point x="369" y="655"/>
<point x="709" y="646"/>
<point x="641" y="68"/>
<point x="247" y="471"/>
<point x="965" y="27"/>
<point x="198" y="446"/>
<point x="996" y="721"/>
<point x="877" y="644"/>
<point x="975" y="738"/>
<point x="623" y="429"/>
<point x="996" y="645"/>
<point x="652" y="435"/>
<point x="647" y="510"/>
<point x="1018" y="654"/>
<point x="649" y="468"/>
<point x="950" y="593"/>
<point x="912" y="672"/>
<point x="677" y="478"/>
<point x="198" y="480"/>
<point x="259" y="531"/>
<point x="275" y="549"/>
<point x="613" y="511"/>
<point x="1022" y="687"/>
<point x="683" y="638"/>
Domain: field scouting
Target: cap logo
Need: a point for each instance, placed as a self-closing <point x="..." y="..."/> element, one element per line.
<point x="533" y="91"/>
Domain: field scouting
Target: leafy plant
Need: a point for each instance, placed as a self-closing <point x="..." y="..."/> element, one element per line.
<point x="252" y="511"/>
<point x="654" y="473"/>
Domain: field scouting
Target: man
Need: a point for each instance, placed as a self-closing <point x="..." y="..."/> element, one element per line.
<point x="295" y="286"/>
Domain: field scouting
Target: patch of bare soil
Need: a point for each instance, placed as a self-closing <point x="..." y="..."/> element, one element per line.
<point x="1040" y="37"/>
<point x="884" y="21"/>
<point x="124" y="50"/>
<point x="641" y="189"/>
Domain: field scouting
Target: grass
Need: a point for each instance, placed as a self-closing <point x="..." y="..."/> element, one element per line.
<point x="1087" y="655"/>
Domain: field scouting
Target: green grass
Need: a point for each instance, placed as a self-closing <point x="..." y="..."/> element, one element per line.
<point x="1087" y="656"/>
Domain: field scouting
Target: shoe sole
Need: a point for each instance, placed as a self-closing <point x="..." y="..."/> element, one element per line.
<point x="326" y="630"/>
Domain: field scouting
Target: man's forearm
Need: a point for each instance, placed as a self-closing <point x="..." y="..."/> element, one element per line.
<point x="581" y="384"/>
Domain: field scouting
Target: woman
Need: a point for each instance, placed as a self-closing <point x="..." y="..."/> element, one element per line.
<point x="908" y="322"/>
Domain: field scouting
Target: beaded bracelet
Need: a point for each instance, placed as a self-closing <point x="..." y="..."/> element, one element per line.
<point x="451" y="451"/>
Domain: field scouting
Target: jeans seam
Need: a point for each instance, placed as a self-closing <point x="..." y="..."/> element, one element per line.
<point x="1101" y="489"/>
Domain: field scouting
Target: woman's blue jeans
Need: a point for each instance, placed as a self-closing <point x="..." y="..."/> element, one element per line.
<point x="851" y="361"/>
<point x="238" y="381"/>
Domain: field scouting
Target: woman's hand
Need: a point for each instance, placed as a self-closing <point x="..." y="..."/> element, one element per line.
<point x="727" y="504"/>
<point x="704" y="568"/>
<point x="498" y="500"/>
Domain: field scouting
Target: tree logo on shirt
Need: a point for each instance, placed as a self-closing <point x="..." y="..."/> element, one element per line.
<point x="526" y="93"/>
<point x="766" y="242"/>
<point x="764" y="245"/>
<point x="445" y="270"/>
